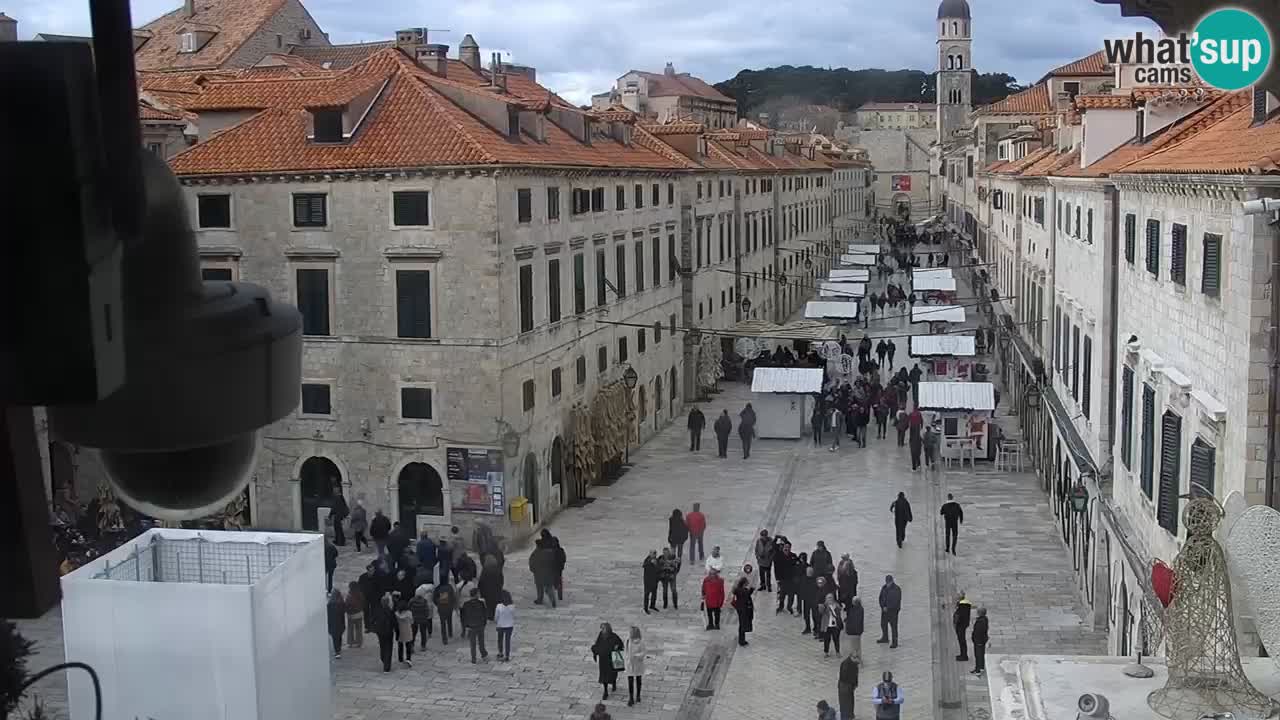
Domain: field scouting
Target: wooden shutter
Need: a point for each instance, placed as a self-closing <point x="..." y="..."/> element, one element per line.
<point x="1170" y="471"/>
<point x="1086" y="372"/>
<point x="1153" y="247"/>
<point x="1148" y="437"/>
<point x="1203" y="466"/>
<point x="309" y="210"/>
<point x="1126" y="417"/>
<point x="1130" y="237"/>
<point x="553" y="291"/>
<point x="1089" y="229"/>
<point x="1075" y="362"/>
<point x="526" y="298"/>
<point x="1178" y="255"/>
<point x="1211" y="268"/>
<point x="413" y="303"/>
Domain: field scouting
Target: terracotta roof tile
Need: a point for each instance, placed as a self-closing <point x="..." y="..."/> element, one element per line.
<point x="1032" y="101"/>
<point x="1048" y="162"/>
<point x="339" y="57"/>
<point x="1168" y="93"/>
<point x="1223" y="141"/>
<point x="1104" y="102"/>
<point x="681" y="85"/>
<point x="150" y="113"/>
<point x="1015" y="167"/>
<point x="1095" y="64"/>
<point x="233" y="20"/>
<point x="679" y="128"/>
<point x="278" y="65"/>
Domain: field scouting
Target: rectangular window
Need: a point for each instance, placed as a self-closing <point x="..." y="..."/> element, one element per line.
<point x="622" y="349"/>
<point x="1178" y="254"/>
<point x="1077" y="232"/>
<point x="310" y="210"/>
<point x="620" y="198"/>
<point x="214" y="211"/>
<point x="1130" y="237"/>
<point x="1075" y="362"/>
<point x="620" y="272"/>
<point x="1170" y="471"/>
<point x="580" y="370"/>
<point x="553" y="291"/>
<point x="1148" y="438"/>
<point x="601" y="280"/>
<point x="411" y="208"/>
<point x="529" y="395"/>
<point x="1126" y="417"/>
<point x="1211" y="265"/>
<point x="602" y="359"/>
<point x="1086" y="372"/>
<point x="655" y="253"/>
<point x="671" y="257"/>
<point x="671" y="324"/>
<point x="1153" y="247"/>
<point x="699" y="189"/>
<point x="216" y="274"/>
<point x="657" y="195"/>
<point x="671" y="193"/>
<point x="413" y="303"/>
<point x="641" y="341"/>
<point x="698" y="246"/>
<point x="524" y="205"/>
<point x="657" y="332"/>
<point x="555" y="382"/>
<point x="639" y="266"/>
<point x="1204" y="472"/>
<point x="553" y="203"/>
<point x="526" y="298"/>
<point x="597" y="199"/>
<point x="581" y="201"/>
<point x="313" y="300"/>
<point x="415" y="403"/>
<point x="720" y="226"/>
<point x="1089" y="228"/>
<point x="639" y="196"/>
<point x="579" y="284"/>
<point x="315" y="399"/>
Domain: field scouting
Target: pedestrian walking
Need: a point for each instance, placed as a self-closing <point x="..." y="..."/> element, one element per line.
<point x="764" y="551"/>
<point x="384" y="627"/>
<point x="914" y="377"/>
<point x="446" y="601"/>
<point x="379" y="529"/>
<point x="561" y="561"/>
<point x="650" y="566"/>
<point x="825" y="711"/>
<point x="747" y="429"/>
<point x="847" y="686"/>
<point x="491" y="583"/>
<point x="916" y="444"/>
<point x="901" y="510"/>
<point x="504" y="619"/>
<point x="404" y="630"/>
<point x="355" y="605"/>
<point x="831" y="621"/>
<point x="542" y="563"/>
<point x="696" y="522"/>
<point x="745" y="608"/>
<point x="881" y="349"/>
<point x="953" y="516"/>
<point x="715" y="561"/>
<point x="607" y="652"/>
<point x="890" y="606"/>
<point x="836" y="420"/>
<point x="475" y="616"/>
<point x="668" y="571"/>
<point x="960" y="621"/>
<point x="900" y="424"/>
<point x="713" y="598"/>
<point x="359" y="523"/>
<point x="891" y="348"/>
<point x="932" y="439"/>
<point x="677" y="531"/>
<point x="888" y="698"/>
<point x="633" y="655"/>
<point x="696" y="422"/>
<point x="336" y="612"/>
<point x="784" y="571"/>
<point x="444" y="561"/>
<point x="980" y="637"/>
<point x="339" y="513"/>
<point x="821" y="560"/>
<point x="464" y="569"/>
<point x="330" y="563"/>
<point x="882" y="419"/>
<point x="853" y="627"/>
<point x="722" y="428"/>
<point x="815" y="424"/>
<point x="425" y="550"/>
<point x="420" y="607"/>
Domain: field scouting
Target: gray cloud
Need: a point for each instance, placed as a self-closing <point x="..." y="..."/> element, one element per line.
<point x="580" y="49"/>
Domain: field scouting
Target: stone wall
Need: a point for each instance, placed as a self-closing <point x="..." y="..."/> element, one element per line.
<point x="289" y="23"/>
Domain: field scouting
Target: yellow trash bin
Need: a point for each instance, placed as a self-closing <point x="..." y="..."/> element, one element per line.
<point x="519" y="507"/>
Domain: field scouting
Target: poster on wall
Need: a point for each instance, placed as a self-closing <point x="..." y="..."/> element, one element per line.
<point x="901" y="183"/>
<point x="476" y="480"/>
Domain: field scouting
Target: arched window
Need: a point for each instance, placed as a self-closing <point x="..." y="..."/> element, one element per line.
<point x="951" y="62"/>
<point x="944" y="28"/>
<point x="959" y="62"/>
<point x="955" y="28"/>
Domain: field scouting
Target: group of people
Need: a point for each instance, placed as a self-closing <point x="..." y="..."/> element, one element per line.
<point x="723" y="427"/>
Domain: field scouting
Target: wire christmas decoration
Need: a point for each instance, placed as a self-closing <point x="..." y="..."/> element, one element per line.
<point x="1205" y="673"/>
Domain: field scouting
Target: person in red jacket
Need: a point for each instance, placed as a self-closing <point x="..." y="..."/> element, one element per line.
<point x="713" y="598"/>
<point x="697" y="524"/>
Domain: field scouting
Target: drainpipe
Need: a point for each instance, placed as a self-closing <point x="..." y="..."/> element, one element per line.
<point x="1112" y="195"/>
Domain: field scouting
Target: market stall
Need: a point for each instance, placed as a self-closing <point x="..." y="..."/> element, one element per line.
<point x="946" y="357"/>
<point x="965" y="409"/>
<point x="934" y="285"/>
<point x="938" y="316"/>
<point x="831" y="310"/>
<point x="842" y="290"/>
<point x="864" y="249"/>
<point x="861" y="275"/>
<point x="783" y="399"/>
<point x="858" y="259"/>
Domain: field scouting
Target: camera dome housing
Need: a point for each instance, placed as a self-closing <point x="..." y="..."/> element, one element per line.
<point x="207" y="364"/>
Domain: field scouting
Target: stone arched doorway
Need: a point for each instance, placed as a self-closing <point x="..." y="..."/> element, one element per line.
<point x="318" y="479"/>
<point x="902" y="205"/>
<point x="531" y="485"/>
<point x="420" y="492"/>
<point x="557" y="469"/>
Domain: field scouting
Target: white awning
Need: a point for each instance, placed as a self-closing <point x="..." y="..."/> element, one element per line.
<point x="799" y="330"/>
<point x="937" y="313"/>
<point x="921" y="283"/>
<point x="957" y="396"/>
<point x="922" y="273"/>
<point x="858" y="259"/>
<point x="843" y="290"/>
<point x="957" y="345"/>
<point x="850" y="275"/>
<point x="857" y="249"/>
<point x="836" y="309"/>
<point x="786" y="380"/>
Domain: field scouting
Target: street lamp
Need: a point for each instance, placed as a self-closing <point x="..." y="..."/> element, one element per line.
<point x="746" y="305"/>
<point x="808" y="264"/>
<point x="629" y="379"/>
<point x="1033" y="396"/>
<point x="1080" y="495"/>
<point x="782" y="279"/>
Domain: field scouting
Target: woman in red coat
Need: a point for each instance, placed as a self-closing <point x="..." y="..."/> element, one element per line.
<point x="713" y="598"/>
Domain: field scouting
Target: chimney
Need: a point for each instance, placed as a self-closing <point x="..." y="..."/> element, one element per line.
<point x="1260" y="105"/>
<point x="189" y="8"/>
<point x="8" y="29"/>
<point x="670" y="70"/>
<point x="525" y="70"/>
<point x="469" y="52"/>
<point x="410" y="38"/>
<point x="497" y="77"/>
<point x="434" y="57"/>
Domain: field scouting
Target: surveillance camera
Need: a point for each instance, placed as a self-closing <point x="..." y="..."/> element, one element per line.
<point x="206" y="366"/>
<point x="1261" y="205"/>
<point x="1093" y="705"/>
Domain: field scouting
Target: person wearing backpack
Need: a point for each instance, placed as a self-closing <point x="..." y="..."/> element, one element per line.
<point x="420" y="607"/>
<point x="446" y="602"/>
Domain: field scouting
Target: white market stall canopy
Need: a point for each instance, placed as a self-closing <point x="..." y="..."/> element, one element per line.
<point x="957" y="396"/>
<point x="864" y="249"/>
<point x="937" y="313"/>
<point x="799" y="330"/>
<point x="786" y="380"/>
<point x="850" y="275"/>
<point x="934" y="279"/>
<point x="843" y="290"/>
<point x="857" y="259"/>
<point x="837" y="309"/>
<point x="953" y="345"/>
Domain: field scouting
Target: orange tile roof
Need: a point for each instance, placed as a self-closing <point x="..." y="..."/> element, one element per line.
<point x="1104" y="102"/>
<point x="677" y="128"/>
<point x="681" y="85"/>
<point x="995" y="166"/>
<point x="1224" y="142"/>
<point x="1194" y="92"/>
<point x="188" y="81"/>
<point x="339" y="57"/>
<point x="1048" y="162"/>
<point x="234" y="21"/>
<point x="279" y="65"/>
<point x="1015" y="167"/>
<point x="1032" y="101"/>
<point x="150" y="113"/>
<point x="1095" y="64"/>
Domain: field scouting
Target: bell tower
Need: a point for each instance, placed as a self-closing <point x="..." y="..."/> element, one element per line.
<point x="955" y="67"/>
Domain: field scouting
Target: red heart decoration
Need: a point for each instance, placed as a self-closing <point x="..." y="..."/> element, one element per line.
<point x="1162" y="578"/>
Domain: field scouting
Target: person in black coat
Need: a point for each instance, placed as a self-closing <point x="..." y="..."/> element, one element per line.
<point x="379" y="529"/>
<point x="651" y="582"/>
<point x="397" y="542"/>
<point x="336" y="612"/>
<point x="821" y="560"/>
<point x="853" y="626"/>
<point x="807" y="593"/>
<point x="696" y="422"/>
<point x="606" y="644"/>
<point x="677" y="532"/>
<point x="561" y="560"/>
<point x="384" y="626"/>
<point x="744" y="607"/>
<point x="339" y="512"/>
<point x="783" y="572"/>
<point x="542" y="563"/>
<point x="722" y="427"/>
<point x="901" y="510"/>
<point x="980" y="637"/>
<point x="892" y="348"/>
<point x="490" y="584"/>
<point x="330" y="563"/>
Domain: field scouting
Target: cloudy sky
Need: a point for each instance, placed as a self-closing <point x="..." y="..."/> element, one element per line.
<point x="580" y="48"/>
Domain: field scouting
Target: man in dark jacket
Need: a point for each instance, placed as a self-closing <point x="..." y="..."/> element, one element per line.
<point x="784" y="569"/>
<point x="696" y="423"/>
<point x="397" y="542"/>
<point x="339" y="512"/>
<point x="651" y="582"/>
<point x="446" y="601"/>
<point x="668" y="571"/>
<point x="881" y="349"/>
<point x="764" y="552"/>
<point x="426" y="552"/>
<point x="542" y="563"/>
<point x="722" y="427"/>
<point x="444" y="558"/>
<point x="561" y="560"/>
<point x="914" y="377"/>
<point x="891" y="348"/>
<point x="953" y="516"/>
<point x="980" y="642"/>
<point x="890" y="605"/>
<point x="379" y="529"/>
<point x="960" y="620"/>
<point x="330" y="564"/>
<point x="474" y="617"/>
<point x="807" y="593"/>
<point x="901" y="510"/>
<point x="821" y="561"/>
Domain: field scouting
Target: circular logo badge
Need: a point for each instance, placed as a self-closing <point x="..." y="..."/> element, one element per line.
<point x="1231" y="49"/>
